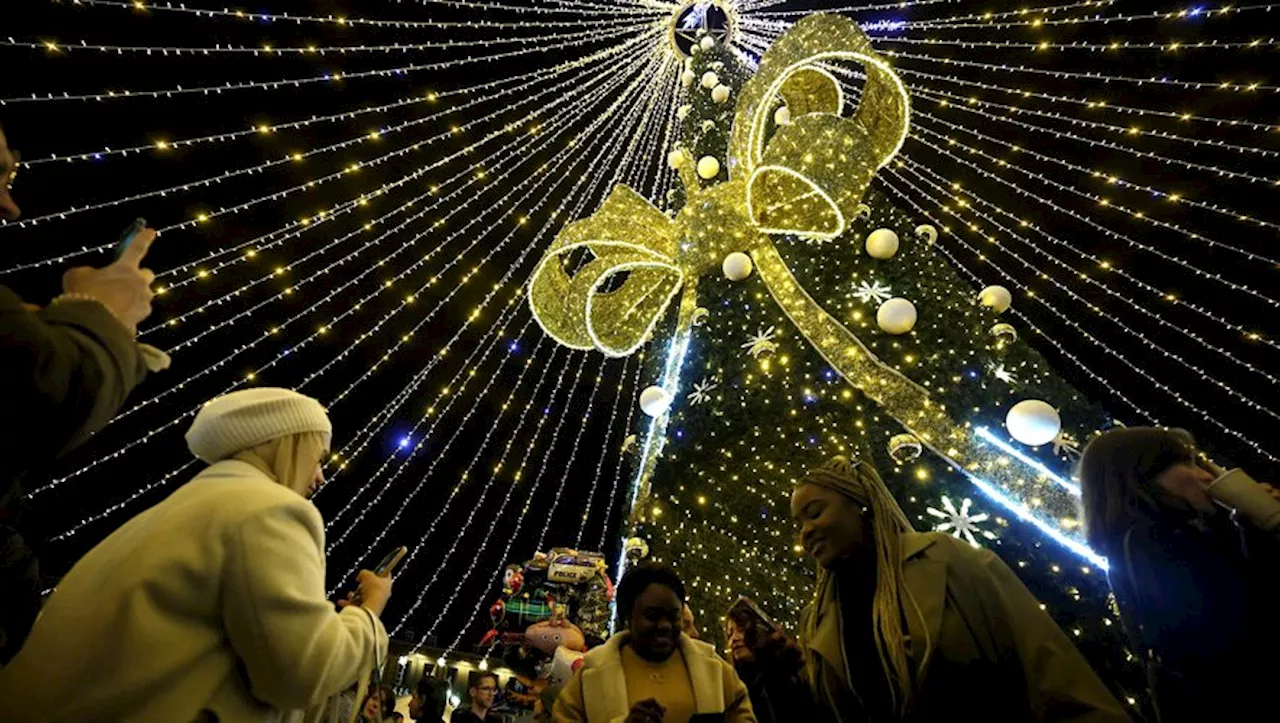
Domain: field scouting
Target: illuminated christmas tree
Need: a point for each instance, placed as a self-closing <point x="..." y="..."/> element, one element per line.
<point x="849" y="334"/>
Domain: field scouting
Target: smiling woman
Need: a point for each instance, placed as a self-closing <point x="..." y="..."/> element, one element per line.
<point x="945" y="617"/>
<point x="653" y="672"/>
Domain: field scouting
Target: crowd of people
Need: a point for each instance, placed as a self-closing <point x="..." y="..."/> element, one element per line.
<point x="211" y="605"/>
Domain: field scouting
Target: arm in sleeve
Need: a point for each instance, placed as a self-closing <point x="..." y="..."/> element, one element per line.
<point x="1060" y="684"/>
<point x="570" y="707"/>
<point x="737" y="703"/>
<point x="296" y="651"/>
<point x="67" y="370"/>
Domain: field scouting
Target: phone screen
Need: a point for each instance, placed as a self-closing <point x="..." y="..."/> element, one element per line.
<point x="391" y="560"/>
<point x="127" y="236"/>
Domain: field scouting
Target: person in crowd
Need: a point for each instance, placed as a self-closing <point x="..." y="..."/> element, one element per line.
<point x="905" y="624"/>
<point x="771" y="665"/>
<point x="652" y="672"/>
<point x="427" y="703"/>
<point x="211" y="604"/>
<point x="378" y="705"/>
<point x="482" y="692"/>
<point x="65" y="370"/>
<point x="1197" y="589"/>
<point x="688" y="625"/>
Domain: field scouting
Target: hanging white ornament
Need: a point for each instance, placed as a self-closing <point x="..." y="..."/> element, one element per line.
<point x="629" y="444"/>
<point x="636" y="549"/>
<point x="707" y="43"/>
<point x="683" y="111"/>
<point x="675" y="159"/>
<point x="1033" y="422"/>
<point x="896" y="316"/>
<point x="1005" y="333"/>
<point x="867" y="292"/>
<point x="720" y="93"/>
<point x="687" y="78"/>
<point x="996" y="298"/>
<point x="762" y="344"/>
<point x="928" y="233"/>
<point x="882" y="244"/>
<point x="710" y="79"/>
<point x="737" y="266"/>
<point x="905" y="448"/>
<point x="708" y="125"/>
<point x="863" y="211"/>
<point x="700" y="315"/>
<point x="654" y="401"/>
<point x="708" y="167"/>
<point x="782" y="116"/>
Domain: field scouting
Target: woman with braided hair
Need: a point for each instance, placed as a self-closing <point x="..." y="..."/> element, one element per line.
<point x="905" y="626"/>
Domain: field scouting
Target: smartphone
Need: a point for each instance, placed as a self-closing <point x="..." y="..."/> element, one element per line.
<point x="127" y="237"/>
<point x="392" y="559"/>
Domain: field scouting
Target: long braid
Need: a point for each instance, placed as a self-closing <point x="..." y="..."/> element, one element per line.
<point x="861" y="483"/>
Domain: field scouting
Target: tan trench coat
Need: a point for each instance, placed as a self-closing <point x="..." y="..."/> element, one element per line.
<point x="993" y="651"/>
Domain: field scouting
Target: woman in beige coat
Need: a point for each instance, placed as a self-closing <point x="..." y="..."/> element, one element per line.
<point x="211" y="605"/>
<point x="907" y="626"/>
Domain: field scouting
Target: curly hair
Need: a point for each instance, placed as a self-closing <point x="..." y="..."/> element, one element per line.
<point x="639" y="578"/>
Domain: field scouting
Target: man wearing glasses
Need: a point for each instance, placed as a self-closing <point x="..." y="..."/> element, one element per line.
<point x="65" y="370"/>
<point x="483" y="691"/>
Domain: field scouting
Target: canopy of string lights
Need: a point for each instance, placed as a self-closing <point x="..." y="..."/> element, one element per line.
<point x="353" y="197"/>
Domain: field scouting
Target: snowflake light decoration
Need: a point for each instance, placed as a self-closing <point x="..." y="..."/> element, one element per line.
<point x="874" y="291"/>
<point x="762" y="343"/>
<point x="959" y="522"/>
<point x="999" y="371"/>
<point x="1065" y="446"/>
<point x="702" y="390"/>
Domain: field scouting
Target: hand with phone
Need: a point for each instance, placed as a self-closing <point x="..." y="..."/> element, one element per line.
<point x="374" y="587"/>
<point x="124" y="287"/>
<point x="646" y="711"/>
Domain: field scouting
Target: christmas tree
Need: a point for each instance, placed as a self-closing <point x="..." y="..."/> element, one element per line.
<point x="746" y="400"/>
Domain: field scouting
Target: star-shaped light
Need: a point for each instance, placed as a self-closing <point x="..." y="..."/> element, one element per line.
<point x="1065" y="446"/>
<point x="874" y="291"/>
<point x="702" y="390"/>
<point x="960" y="523"/>
<point x="762" y="343"/>
<point x="999" y="371"/>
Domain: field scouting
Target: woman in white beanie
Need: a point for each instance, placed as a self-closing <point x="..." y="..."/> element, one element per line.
<point x="211" y="605"/>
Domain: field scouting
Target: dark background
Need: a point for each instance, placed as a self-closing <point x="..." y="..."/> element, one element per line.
<point x="548" y="424"/>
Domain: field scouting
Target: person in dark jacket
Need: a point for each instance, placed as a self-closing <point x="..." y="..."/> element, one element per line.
<point x="65" y="370"/>
<point x="771" y="666"/>
<point x="1197" y="590"/>
<point x="904" y="624"/>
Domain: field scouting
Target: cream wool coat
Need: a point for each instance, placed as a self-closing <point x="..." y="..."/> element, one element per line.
<point x="598" y="691"/>
<point x="211" y="602"/>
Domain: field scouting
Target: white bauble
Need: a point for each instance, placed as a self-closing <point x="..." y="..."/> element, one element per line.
<point x="720" y="93"/>
<point x="882" y="244"/>
<point x="737" y="266"/>
<point x="708" y="167"/>
<point x="1033" y="422"/>
<point x="654" y="401"/>
<point x="897" y="316"/>
<point x="687" y="78"/>
<point x="782" y="116"/>
<point x="683" y="111"/>
<point x="675" y="159"/>
<point x="708" y="43"/>
<point x="996" y="298"/>
<point x="710" y="79"/>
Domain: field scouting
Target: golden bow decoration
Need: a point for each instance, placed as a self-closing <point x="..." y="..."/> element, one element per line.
<point x="807" y="179"/>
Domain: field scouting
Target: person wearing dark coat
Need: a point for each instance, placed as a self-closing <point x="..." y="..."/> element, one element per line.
<point x="65" y="370"/>
<point x="904" y="625"/>
<point x="1197" y="587"/>
<point x="771" y="666"/>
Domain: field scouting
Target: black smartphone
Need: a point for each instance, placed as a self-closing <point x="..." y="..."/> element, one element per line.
<point x="392" y="559"/>
<point x="127" y="237"/>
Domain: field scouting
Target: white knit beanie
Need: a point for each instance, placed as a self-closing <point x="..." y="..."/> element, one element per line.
<point x="242" y="420"/>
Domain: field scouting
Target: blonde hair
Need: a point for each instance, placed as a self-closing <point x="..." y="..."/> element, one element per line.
<point x="861" y="483"/>
<point x="287" y="459"/>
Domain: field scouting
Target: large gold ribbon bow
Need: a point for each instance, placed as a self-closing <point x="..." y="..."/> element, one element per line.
<point x="607" y="280"/>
